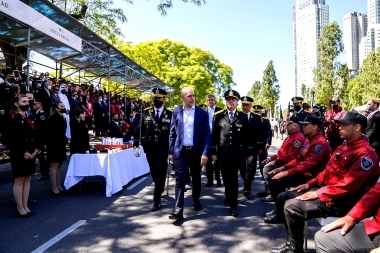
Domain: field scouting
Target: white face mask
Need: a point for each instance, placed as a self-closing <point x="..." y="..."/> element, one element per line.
<point x="49" y="87"/>
<point x="30" y="82"/>
<point x="100" y="99"/>
<point x="38" y="85"/>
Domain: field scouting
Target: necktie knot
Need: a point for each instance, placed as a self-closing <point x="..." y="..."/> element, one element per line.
<point x="231" y="115"/>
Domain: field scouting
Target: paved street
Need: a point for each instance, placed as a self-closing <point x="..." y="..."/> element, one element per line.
<point x="124" y="222"/>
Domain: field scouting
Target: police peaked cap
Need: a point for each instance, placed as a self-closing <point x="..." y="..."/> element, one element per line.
<point x="296" y="100"/>
<point x="246" y="100"/>
<point x="232" y="93"/>
<point x="257" y="108"/>
<point x="157" y="92"/>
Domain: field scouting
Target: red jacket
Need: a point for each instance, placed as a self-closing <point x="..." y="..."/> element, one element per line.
<point x="290" y="149"/>
<point x="315" y="154"/>
<point x="351" y="171"/>
<point x="332" y="128"/>
<point x="366" y="207"/>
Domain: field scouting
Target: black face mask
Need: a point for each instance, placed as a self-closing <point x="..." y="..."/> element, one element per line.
<point x="158" y="103"/>
<point x="297" y="108"/>
<point x="62" y="110"/>
<point x="31" y="102"/>
<point x="23" y="108"/>
<point x="334" y="107"/>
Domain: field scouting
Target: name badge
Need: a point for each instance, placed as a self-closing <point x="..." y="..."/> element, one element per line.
<point x="239" y="125"/>
<point x="165" y="120"/>
<point x="147" y="118"/>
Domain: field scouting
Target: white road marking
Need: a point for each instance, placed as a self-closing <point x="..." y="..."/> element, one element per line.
<point x="136" y="183"/>
<point x="58" y="237"/>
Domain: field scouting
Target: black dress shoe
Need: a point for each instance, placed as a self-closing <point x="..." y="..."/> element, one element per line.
<point x="156" y="206"/>
<point x="273" y="212"/>
<point x="218" y="182"/>
<point x="42" y="178"/>
<point x="267" y="199"/>
<point x="262" y="194"/>
<point x="176" y="216"/>
<point x="225" y="201"/>
<point x="247" y="193"/>
<point x="273" y="219"/>
<point x="197" y="205"/>
<point x="234" y="212"/>
<point x="209" y="184"/>
<point x="18" y="214"/>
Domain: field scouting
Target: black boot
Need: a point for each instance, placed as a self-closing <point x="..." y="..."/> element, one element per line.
<point x="291" y="246"/>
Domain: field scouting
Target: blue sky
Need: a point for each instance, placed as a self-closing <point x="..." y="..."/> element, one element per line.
<point x="244" y="34"/>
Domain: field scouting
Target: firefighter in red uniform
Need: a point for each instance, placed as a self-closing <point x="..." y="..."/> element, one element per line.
<point x="355" y="236"/>
<point x="315" y="154"/>
<point x="332" y="128"/>
<point x="290" y="149"/>
<point x="351" y="171"/>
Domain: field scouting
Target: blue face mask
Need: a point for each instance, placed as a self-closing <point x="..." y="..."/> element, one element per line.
<point x="158" y="103"/>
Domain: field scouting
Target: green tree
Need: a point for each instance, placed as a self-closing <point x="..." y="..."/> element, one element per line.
<point x="330" y="76"/>
<point x="270" y="89"/>
<point x="306" y="94"/>
<point x="255" y="93"/>
<point x="181" y="66"/>
<point x="167" y="4"/>
<point x="366" y="85"/>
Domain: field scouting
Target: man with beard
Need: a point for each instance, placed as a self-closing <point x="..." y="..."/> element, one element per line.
<point x="332" y="127"/>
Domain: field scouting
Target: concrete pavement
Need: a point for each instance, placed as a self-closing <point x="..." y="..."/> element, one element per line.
<point x="124" y="222"/>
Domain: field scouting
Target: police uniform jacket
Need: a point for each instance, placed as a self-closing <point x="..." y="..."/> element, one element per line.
<point x="351" y="171"/>
<point x="290" y="148"/>
<point x="228" y="135"/>
<point x="40" y="121"/>
<point x="301" y="115"/>
<point x="366" y="207"/>
<point x="155" y="131"/>
<point x="267" y="131"/>
<point x="115" y="129"/>
<point x="257" y="131"/>
<point x="315" y="154"/>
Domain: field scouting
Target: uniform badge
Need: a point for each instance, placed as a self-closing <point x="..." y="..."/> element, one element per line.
<point x="366" y="163"/>
<point x="336" y="157"/>
<point x="297" y="144"/>
<point x="147" y="118"/>
<point x="221" y="124"/>
<point x="42" y="117"/>
<point x="239" y="125"/>
<point x="164" y="128"/>
<point x="318" y="149"/>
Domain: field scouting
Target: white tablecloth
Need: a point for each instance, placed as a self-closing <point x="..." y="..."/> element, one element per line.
<point x="118" y="168"/>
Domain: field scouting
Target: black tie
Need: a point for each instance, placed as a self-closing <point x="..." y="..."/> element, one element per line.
<point x="157" y="115"/>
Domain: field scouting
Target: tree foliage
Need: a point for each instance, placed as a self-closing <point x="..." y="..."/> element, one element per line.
<point x="267" y="92"/>
<point x="181" y="66"/>
<point x="366" y="85"/>
<point x="164" y="5"/>
<point x="330" y="76"/>
<point x="306" y="94"/>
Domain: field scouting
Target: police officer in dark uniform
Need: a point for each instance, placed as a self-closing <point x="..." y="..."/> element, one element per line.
<point x="232" y="145"/>
<point x="267" y="132"/>
<point x="155" y="128"/>
<point x="298" y="108"/>
<point x="257" y="133"/>
<point x="40" y="121"/>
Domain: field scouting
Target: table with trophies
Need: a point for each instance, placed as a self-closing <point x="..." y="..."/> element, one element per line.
<point x="118" y="163"/>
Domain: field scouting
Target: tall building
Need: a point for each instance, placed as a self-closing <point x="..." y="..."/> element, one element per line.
<point x="372" y="41"/>
<point x="309" y="16"/>
<point x="354" y="30"/>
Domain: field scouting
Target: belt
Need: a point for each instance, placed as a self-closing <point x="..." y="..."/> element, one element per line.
<point x="187" y="147"/>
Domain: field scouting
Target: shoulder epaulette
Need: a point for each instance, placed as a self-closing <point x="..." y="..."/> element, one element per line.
<point x="215" y="113"/>
<point x="265" y="118"/>
<point x="148" y="108"/>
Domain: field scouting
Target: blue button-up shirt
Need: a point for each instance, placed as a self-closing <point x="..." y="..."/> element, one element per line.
<point x="188" y="126"/>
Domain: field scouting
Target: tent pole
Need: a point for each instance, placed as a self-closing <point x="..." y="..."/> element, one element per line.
<point x="28" y="61"/>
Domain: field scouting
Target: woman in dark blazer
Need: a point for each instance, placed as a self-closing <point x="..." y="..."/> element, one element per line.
<point x="56" y="146"/>
<point x="80" y="140"/>
<point x="19" y="137"/>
